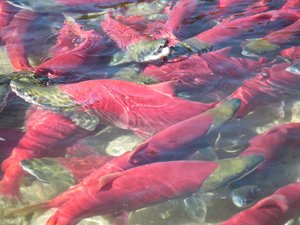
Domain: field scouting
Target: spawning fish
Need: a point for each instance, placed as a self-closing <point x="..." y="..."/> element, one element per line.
<point x="56" y="170"/>
<point x="205" y="71"/>
<point x="136" y="47"/>
<point x="120" y="103"/>
<point x="113" y="189"/>
<point x="7" y="13"/>
<point x="273" y="41"/>
<point x="275" y="209"/>
<point x="268" y="86"/>
<point x="74" y="51"/>
<point x="235" y="30"/>
<point x="15" y="36"/>
<point x="168" y="144"/>
<point x="79" y="110"/>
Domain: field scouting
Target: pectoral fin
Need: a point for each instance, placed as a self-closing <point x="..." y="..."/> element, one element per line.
<point x="105" y="180"/>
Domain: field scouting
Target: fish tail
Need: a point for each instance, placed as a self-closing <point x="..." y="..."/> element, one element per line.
<point x="26" y="210"/>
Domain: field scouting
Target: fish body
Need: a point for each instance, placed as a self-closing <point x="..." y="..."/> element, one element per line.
<point x="146" y="187"/>
<point x="136" y="46"/>
<point x="75" y="49"/>
<point x="273" y="41"/>
<point x="7" y="13"/>
<point x="15" y="36"/>
<point x="120" y="103"/>
<point x="234" y="30"/>
<point x="206" y="70"/>
<point x="267" y="86"/>
<point x="276" y="209"/>
<point x="79" y="107"/>
<point x="272" y="144"/>
<point x="51" y="170"/>
<point x="292" y="53"/>
<point x="168" y="144"/>
<point x="42" y="138"/>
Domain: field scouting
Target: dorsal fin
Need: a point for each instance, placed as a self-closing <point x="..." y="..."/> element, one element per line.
<point x="166" y="88"/>
<point x="106" y="179"/>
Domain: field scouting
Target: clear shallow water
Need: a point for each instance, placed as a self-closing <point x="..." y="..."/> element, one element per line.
<point x="36" y="29"/>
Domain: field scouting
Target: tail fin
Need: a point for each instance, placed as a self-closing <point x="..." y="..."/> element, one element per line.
<point x="26" y="210"/>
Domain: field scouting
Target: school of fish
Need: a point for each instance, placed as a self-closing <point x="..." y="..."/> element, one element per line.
<point x="209" y="88"/>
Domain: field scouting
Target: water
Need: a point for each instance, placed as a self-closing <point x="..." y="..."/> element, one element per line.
<point x="214" y="50"/>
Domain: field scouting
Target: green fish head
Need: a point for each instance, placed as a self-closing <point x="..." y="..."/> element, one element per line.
<point x="230" y="170"/>
<point x="223" y="113"/>
<point x="142" y="51"/>
<point x="48" y="170"/>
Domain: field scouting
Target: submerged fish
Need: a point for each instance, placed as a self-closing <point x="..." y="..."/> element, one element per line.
<point x="206" y="71"/>
<point x="276" y="209"/>
<point x="47" y="134"/>
<point x="113" y="189"/>
<point x="235" y="30"/>
<point x="56" y="170"/>
<point x="136" y="47"/>
<point x="274" y="41"/>
<point x="80" y="109"/>
<point x="266" y="87"/>
<point x="120" y="103"/>
<point x="168" y="144"/>
<point x="7" y="13"/>
<point x="15" y="36"/>
<point x="74" y="51"/>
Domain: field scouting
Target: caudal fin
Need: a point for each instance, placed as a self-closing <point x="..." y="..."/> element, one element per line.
<point x="24" y="211"/>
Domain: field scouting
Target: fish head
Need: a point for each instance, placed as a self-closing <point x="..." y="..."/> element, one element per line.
<point x="48" y="170"/>
<point x="144" y="153"/>
<point x="230" y="170"/>
<point x="142" y="52"/>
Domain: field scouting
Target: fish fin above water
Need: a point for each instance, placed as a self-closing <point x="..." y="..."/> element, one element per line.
<point x="166" y="88"/>
<point x="105" y="180"/>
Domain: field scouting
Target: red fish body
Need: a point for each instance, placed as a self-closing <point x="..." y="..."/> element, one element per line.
<point x="122" y="34"/>
<point x="204" y="71"/>
<point x="7" y="13"/>
<point x="266" y="87"/>
<point x="280" y="38"/>
<point x="232" y="31"/>
<point x="132" y="106"/>
<point x="292" y="53"/>
<point x="272" y="144"/>
<point x="43" y="137"/>
<point x="168" y="144"/>
<point x="276" y="209"/>
<point x="123" y="104"/>
<point x="14" y="36"/>
<point x="292" y="6"/>
<point x="146" y="188"/>
<point x="74" y="51"/>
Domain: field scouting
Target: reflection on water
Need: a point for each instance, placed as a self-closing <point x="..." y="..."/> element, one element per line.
<point x="123" y="83"/>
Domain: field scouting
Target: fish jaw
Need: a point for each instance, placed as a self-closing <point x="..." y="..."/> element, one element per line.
<point x="142" y="52"/>
<point x="230" y="170"/>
